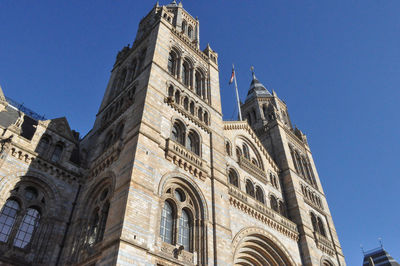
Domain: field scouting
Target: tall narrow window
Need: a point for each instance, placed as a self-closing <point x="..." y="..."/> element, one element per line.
<point x="192" y="108"/>
<point x="177" y="97"/>
<point x="314" y="222"/>
<point x="206" y="118"/>
<point x="27" y="227"/>
<point x="246" y="153"/>
<point x="57" y="152"/>
<point x="167" y="223"/>
<point x="321" y="227"/>
<point x="259" y="195"/>
<point x="103" y="221"/>
<point x="184" y="25"/>
<point x="172" y="63"/>
<point x="43" y="145"/>
<point x="249" y="188"/>
<point x="93" y="227"/>
<point x="274" y="203"/>
<point x="178" y="133"/>
<point x="233" y="178"/>
<point x="193" y="143"/>
<point x="185" y="74"/>
<point x="190" y="32"/>
<point x="186" y="104"/>
<point x="7" y="219"/>
<point x="184" y="230"/>
<point x="170" y="91"/>
<point x="199" y="83"/>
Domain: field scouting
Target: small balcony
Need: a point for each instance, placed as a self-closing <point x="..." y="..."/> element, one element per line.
<point x="253" y="169"/>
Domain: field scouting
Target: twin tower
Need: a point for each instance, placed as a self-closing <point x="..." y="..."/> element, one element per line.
<point x="161" y="179"/>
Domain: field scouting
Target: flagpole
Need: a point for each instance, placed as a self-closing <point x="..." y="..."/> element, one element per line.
<point x="237" y="93"/>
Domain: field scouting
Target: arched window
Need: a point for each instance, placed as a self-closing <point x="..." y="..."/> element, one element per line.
<point x="27" y="228"/>
<point x="20" y="216"/>
<point x="190" y="32"/>
<point x="254" y="161"/>
<point x="249" y="188"/>
<point x="177" y="97"/>
<point x="274" y="203"/>
<point x="167" y="223"/>
<point x="184" y="25"/>
<point x="259" y="195"/>
<point x="321" y="227"/>
<point x="228" y="148"/>
<point x="170" y="91"/>
<point x="192" y="108"/>
<point x="186" y="73"/>
<point x="178" y="133"/>
<point x="185" y="228"/>
<point x="200" y="114"/>
<point x="96" y="225"/>
<point x="193" y="142"/>
<point x="246" y="153"/>
<point x="233" y="178"/>
<point x="199" y="83"/>
<point x="206" y="118"/>
<point x="56" y="156"/>
<point x="314" y="222"/>
<point x="172" y="59"/>
<point x="186" y="103"/>
<point x="43" y="145"/>
<point x="7" y="218"/>
<point x="182" y="219"/>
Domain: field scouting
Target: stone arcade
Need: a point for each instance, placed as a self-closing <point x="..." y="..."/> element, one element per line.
<point x="161" y="179"/>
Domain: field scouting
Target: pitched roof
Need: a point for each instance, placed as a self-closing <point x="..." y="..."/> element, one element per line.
<point x="257" y="89"/>
<point x="380" y="257"/>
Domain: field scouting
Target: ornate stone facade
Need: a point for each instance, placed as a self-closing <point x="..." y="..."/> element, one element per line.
<point x="161" y="179"/>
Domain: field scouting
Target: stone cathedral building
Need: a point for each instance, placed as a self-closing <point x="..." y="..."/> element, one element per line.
<point x="161" y="179"/>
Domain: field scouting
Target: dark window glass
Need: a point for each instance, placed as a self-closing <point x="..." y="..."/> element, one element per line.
<point x="26" y="228"/>
<point x="7" y="219"/>
<point x="167" y="221"/>
<point x="57" y="153"/>
<point x="259" y="195"/>
<point x="184" y="230"/>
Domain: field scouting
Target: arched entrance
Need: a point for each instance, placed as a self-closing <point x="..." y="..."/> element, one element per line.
<point x="256" y="247"/>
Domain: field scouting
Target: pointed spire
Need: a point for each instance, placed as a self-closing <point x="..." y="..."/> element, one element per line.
<point x="257" y="89"/>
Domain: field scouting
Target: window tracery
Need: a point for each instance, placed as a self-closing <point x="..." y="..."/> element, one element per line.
<point x="21" y="215"/>
<point x="178" y="216"/>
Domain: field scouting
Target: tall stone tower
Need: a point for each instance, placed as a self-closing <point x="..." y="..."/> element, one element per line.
<point x="161" y="179"/>
<point x="306" y="202"/>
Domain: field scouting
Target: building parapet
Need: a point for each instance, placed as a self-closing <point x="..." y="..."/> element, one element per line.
<point x="264" y="214"/>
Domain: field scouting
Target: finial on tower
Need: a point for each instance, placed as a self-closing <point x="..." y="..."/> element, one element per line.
<point x="380" y="242"/>
<point x="252" y="71"/>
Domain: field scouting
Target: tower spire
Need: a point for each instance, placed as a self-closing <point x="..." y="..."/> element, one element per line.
<point x="257" y="89"/>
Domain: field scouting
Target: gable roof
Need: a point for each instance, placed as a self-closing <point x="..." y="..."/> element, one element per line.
<point x="235" y="125"/>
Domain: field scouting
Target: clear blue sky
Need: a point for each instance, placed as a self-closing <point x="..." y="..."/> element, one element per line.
<point x="335" y="63"/>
